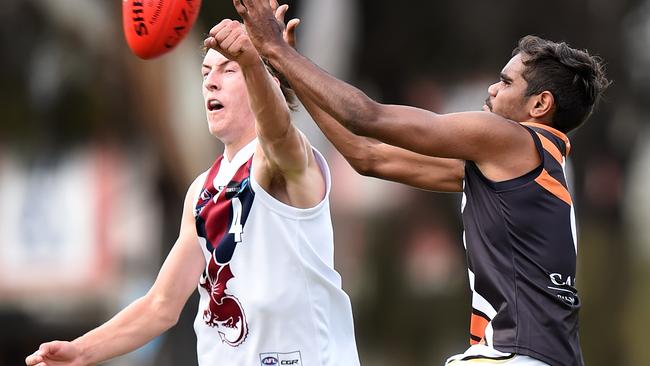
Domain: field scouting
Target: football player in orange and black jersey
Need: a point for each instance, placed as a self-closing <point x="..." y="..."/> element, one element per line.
<point x="508" y="160"/>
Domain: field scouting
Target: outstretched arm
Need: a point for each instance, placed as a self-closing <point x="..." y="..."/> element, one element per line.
<point x="371" y="157"/>
<point x="483" y="137"/>
<point x="287" y="167"/>
<point x="145" y="318"/>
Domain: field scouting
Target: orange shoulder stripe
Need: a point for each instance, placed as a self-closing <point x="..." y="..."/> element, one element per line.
<point x="551" y="148"/>
<point x="552" y="130"/>
<point x="554" y="187"/>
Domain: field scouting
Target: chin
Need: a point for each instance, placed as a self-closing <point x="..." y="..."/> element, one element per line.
<point x="215" y="129"/>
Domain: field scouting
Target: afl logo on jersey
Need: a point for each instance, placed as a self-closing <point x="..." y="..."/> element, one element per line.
<point x="276" y="358"/>
<point x="268" y="361"/>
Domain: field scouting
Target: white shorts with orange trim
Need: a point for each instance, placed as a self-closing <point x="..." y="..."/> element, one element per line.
<point x="483" y="355"/>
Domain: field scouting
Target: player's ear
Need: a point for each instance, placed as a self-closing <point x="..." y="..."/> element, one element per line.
<point x="543" y="105"/>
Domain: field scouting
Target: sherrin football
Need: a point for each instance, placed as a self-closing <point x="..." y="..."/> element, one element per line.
<point x="154" y="27"/>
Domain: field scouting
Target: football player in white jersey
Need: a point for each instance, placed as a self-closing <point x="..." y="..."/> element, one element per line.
<point x="273" y="297"/>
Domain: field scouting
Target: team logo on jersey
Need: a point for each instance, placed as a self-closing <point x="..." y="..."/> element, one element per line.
<point x="205" y="194"/>
<point x="224" y="311"/>
<point x="204" y="198"/>
<point x="564" y="289"/>
<point x="279" y="359"/>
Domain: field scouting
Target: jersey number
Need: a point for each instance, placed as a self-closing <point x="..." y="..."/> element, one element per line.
<point x="236" y="227"/>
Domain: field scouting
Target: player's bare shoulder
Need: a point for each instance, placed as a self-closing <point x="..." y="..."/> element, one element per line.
<point x="302" y="186"/>
<point x="194" y="190"/>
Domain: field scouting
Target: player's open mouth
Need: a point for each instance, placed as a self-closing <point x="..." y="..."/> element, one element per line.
<point x="214" y="105"/>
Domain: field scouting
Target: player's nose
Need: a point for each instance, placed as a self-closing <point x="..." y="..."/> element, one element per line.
<point x="493" y="89"/>
<point x="212" y="81"/>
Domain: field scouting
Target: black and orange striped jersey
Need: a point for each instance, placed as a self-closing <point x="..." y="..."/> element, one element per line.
<point x="521" y="246"/>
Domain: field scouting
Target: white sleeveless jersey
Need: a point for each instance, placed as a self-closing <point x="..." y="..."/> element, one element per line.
<point x="269" y="293"/>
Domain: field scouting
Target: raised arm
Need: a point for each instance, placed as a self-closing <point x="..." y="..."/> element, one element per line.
<point x="286" y="166"/>
<point x="371" y="157"/>
<point x="483" y="137"/>
<point x="145" y="318"/>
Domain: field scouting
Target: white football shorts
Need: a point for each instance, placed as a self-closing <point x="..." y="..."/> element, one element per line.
<point x="482" y="355"/>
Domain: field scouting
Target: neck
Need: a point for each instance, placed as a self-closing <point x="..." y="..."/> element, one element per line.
<point x="231" y="149"/>
<point x="544" y="120"/>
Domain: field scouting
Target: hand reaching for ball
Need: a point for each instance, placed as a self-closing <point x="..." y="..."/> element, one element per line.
<point x="227" y="38"/>
<point x="230" y="39"/>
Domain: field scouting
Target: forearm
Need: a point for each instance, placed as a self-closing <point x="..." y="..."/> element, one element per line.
<point x="346" y="104"/>
<point x="131" y="328"/>
<point x="267" y="103"/>
<point x="357" y="150"/>
<point x="372" y="158"/>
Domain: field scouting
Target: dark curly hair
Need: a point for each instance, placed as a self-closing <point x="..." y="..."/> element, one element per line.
<point x="287" y="91"/>
<point x="574" y="77"/>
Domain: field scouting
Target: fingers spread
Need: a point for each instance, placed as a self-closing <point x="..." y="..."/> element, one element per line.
<point x="290" y="32"/>
<point x="281" y="12"/>
<point x="293" y="24"/>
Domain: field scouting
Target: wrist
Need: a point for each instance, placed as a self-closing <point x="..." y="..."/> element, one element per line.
<point x="251" y="65"/>
<point x="82" y="351"/>
<point x="274" y="50"/>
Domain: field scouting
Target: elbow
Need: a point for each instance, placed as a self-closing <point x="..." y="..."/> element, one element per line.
<point x="363" y="162"/>
<point x="167" y="314"/>
<point x="361" y="167"/>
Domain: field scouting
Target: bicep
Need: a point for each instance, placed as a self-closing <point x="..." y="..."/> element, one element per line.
<point x="472" y="136"/>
